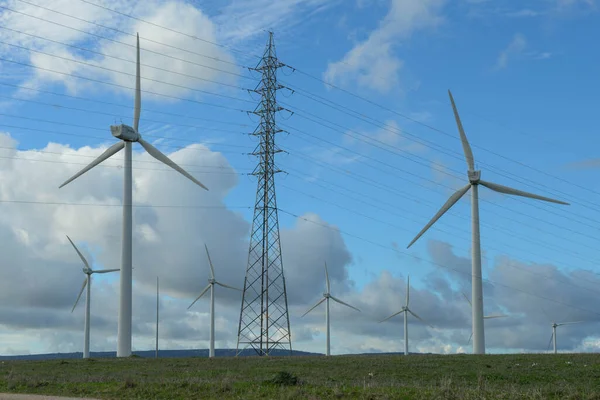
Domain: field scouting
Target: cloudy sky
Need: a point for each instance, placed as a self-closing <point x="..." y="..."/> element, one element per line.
<point x="371" y="154"/>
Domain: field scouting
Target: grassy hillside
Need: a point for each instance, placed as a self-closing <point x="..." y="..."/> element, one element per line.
<point x="572" y="376"/>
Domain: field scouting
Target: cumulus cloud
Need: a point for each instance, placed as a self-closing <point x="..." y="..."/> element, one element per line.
<point x="373" y="63"/>
<point x="514" y="48"/>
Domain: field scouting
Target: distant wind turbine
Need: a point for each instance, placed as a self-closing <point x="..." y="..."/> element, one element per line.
<point x="484" y="317"/>
<point x="87" y="282"/>
<point x="553" y="337"/>
<point x="406" y="311"/>
<point x="129" y="135"/>
<point x="474" y="182"/>
<point x="211" y="285"/>
<point x="326" y="296"/>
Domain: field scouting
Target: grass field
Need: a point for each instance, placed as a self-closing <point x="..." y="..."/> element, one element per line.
<point x="568" y="376"/>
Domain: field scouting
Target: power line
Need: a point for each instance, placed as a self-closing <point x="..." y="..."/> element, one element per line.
<point x="59" y="203"/>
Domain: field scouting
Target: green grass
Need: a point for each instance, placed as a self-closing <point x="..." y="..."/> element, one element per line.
<point x="568" y="376"/>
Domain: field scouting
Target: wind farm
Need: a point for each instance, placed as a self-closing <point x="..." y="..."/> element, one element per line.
<point x="328" y="134"/>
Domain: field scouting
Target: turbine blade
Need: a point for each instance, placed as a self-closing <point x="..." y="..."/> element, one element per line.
<point x="227" y="286"/>
<point x="470" y="337"/>
<point x="154" y="152"/>
<point x="494" y="316"/>
<point x="104" y="271"/>
<point x="112" y="150"/>
<point x="201" y="294"/>
<point x="138" y="91"/>
<point x="315" y="306"/>
<point x="550" y="342"/>
<point x="449" y="203"/>
<point x="463" y="138"/>
<point x="327" y="278"/>
<point x="569" y="323"/>
<point x="345" y="304"/>
<point x="419" y="318"/>
<point x="407" y="289"/>
<point x="508" y="190"/>
<point x="80" y="255"/>
<point x="392" y="316"/>
<point x="80" y="293"/>
<point x="212" y="270"/>
<point x="467" y="299"/>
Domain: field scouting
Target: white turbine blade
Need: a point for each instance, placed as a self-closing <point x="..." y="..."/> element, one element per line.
<point x="451" y="201"/>
<point x="201" y="294"/>
<point x="467" y="299"/>
<point x="494" y="316"/>
<point x="407" y="289"/>
<point x="419" y="318"/>
<point x="327" y="278"/>
<point x="508" y="190"/>
<point x="138" y="91"/>
<point x="470" y="337"/>
<point x="550" y="342"/>
<point x="227" y="286"/>
<point x="104" y="271"/>
<point x="112" y="150"/>
<point x="345" y="304"/>
<point x="463" y="137"/>
<point x="80" y="255"/>
<point x="212" y="270"/>
<point x="569" y="323"/>
<point x="80" y="293"/>
<point x="392" y="316"/>
<point x="154" y="152"/>
<point x="315" y="306"/>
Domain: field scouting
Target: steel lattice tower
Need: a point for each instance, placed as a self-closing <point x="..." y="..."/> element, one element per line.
<point x="264" y="320"/>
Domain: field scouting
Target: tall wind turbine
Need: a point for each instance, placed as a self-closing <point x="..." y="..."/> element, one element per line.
<point x="87" y="282"/>
<point x="129" y="135"/>
<point x="406" y="311"/>
<point x="326" y="296"/>
<point x="474" y="182"/>
<point x="156" y="352"/>
<point x="484" y="317"/>
<point x="211" y="285"/>
<point x="553" y="337"/>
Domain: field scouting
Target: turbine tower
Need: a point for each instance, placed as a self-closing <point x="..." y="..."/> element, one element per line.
<point x="484" y="317"/>
<point x="128" y="136"/>
<point x="406" y="311"/>
<point x="474" y="182"/>
<point x="553" y="337"/>
<point x="156" y="350"/>
<point x="211" y="285"/>
<point x="87" y="282"/>
<point x="326" y="296"/>
<point x="264" y="318"/>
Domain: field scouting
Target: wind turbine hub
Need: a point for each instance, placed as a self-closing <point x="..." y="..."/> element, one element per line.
<point x="474" y="177"/>
<point x="212" y="281"/>
<point x="87" y="271"/>
<point x="326" y="295"/>
<point x="125" y="132"/>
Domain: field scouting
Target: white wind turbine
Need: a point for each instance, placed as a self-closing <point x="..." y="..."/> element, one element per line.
<point x="474" y="182"/>
<point x="406" y="311"/>
<point x="211" y="285"/>
<point x="87" y="282"/>
<point x="484" y="317"/>
<point x="129" y="135"/>
<point x="553" y="337"/>
<point x="326" y="296"/>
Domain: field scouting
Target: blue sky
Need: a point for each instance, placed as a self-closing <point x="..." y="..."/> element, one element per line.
<point x="524" y="78"/>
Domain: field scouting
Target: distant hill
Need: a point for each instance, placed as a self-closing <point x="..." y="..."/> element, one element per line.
<point x="161" y="354"/>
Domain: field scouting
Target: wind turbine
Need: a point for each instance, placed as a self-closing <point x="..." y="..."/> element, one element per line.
<point x="156" y="350"/>
<point x="553" y="337"/>
<point x="211" y="285"/>
<point x="129" y="135"/>
<point x="326" y="296"/>
<point x="87" y="282"/>
<point x="474" y="182"/>
<point x="406" y="311"/>
<point x="484" y="317"/>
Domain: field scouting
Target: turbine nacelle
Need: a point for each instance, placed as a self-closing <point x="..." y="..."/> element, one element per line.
<point x="474" y="177"/>
<point x="125" y="132"/>
<point x="326" y="295"/>
<point x="87" y="271"/>
<point x="212" y="281"/>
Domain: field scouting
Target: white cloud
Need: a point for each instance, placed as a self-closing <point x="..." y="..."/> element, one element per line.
<point x="373" y="63"/>
<point x="514" y="48"/>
